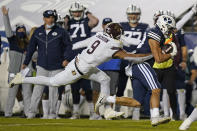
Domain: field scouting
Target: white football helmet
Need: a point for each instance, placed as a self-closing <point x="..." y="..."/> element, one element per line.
<point x="169" y="13"/>
<point x="76" y="7"/>
<point x="166" y="24"/>
<point x="161" y="12"/>
<point x="157" y="14"/>
<point x="132" y="9"/>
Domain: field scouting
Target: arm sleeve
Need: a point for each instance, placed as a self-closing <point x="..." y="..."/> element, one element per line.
<point x="185" y="18"/>
<point x="8" y="29"/>
<point x="30" y="49"/>
<point x="68" y="47"/>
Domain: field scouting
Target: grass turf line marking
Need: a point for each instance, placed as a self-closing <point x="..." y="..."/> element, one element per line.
<point x="44" y="124"/>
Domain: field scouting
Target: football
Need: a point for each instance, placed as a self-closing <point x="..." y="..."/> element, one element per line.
<point x="167" y="48"/>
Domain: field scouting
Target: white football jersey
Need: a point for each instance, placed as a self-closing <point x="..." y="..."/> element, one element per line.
<point x="101" y="48"/>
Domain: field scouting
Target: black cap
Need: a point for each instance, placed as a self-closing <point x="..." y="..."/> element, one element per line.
<point x="49" y="13"/>
<point x="106" y="21"/>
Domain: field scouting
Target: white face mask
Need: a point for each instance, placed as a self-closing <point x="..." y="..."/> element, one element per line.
<point x="49" y="26"/>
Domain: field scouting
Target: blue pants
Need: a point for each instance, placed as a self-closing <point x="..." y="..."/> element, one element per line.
<point x="144" y="80"/>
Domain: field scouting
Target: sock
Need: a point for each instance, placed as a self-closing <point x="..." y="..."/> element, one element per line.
<point x="91" y="107"/>
<point x="75" y="108"/>
<point x="21" y="105"/>
<point x="45" y="107"/>
<point x="193" y="116"/>
<point x="111" y="99"/>
<point x="38" y="80"/>
<point x="155" y="112"/>
<point x="151" y="113"/>
<point x="181" y="100"/>
<point x="82" y="99"/>
<point x="165" y="99"/>
<point x="58" y="107"/>
<point x="136" y="113"/>
<point x="171" y="112"/>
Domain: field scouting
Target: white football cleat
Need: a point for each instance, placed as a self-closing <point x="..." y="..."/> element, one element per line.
<point x="110" y="113"/>
<point x="18" y="79"/>
<point x="101" y="100"/>
<point x="185" y="125"/>
<point x="159" y="120"/>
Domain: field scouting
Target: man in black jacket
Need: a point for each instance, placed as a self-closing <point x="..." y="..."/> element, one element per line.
<point x="53" y="45"/>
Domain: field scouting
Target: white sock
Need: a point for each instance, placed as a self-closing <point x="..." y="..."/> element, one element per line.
<point x="155" y="112"/>
<point x="45" y="107"/>
<point x="38" y="80"/>
<point x="21" y="105"/>
<point x="181" y="100"/>
<point x="165" y="99"/>
<point x="82" y="98"/>
<point x="136" y="113"/>
<point x="91" y="107"/>
<point x="111" y="99"/>
<point x="151" y="113"/>
<point x="171" y="113"/>
<point x="58" y="107"/>
<point x="75" y="108"/>
<point x="193" y="116"/>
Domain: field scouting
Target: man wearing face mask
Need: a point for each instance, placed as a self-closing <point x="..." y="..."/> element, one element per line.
<point x="17" y="44"/>
<point x="54" y="49"/>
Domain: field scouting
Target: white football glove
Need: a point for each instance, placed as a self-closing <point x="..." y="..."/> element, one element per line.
<point x="174" y="51"/>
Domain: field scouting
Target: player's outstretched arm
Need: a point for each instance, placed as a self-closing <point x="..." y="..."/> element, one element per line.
<point x="135" y="58"/>
<point x="82" y="44"/>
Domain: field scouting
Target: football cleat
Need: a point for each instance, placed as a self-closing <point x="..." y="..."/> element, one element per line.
<point x="185" y="125"/>
<point x="110" y="113"/>
<point x="101" y="100"/>
<point x="18" y="79"/>
<point x="159" y="120"/>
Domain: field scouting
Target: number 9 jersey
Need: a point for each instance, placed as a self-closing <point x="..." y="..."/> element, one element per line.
<point x="100" y="48"/>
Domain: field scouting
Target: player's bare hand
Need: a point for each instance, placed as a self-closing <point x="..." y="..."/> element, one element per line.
<point x="4" y="10"/>
<point x="23" y="66"/>
<point x="183" y="65"/>
<point x="65" y="63"/>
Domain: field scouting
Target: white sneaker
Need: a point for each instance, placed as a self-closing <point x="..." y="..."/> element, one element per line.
<point x="110" y="113"/>
<point x="18" y="79"/>
<point x="95" y="116"/>
<point x="159" y="120"/>
<point x="75" y="116"/>
<point x="185" y="125"/>
<point x="101" y="100"/>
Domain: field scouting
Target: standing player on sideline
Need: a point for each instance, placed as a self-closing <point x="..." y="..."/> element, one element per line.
<point x="79" y="24"/>
<point x="133" y="29"/>
<point x="101" y="47"/>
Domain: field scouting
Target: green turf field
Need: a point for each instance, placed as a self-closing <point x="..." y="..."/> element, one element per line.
<point x="19" y="124"/>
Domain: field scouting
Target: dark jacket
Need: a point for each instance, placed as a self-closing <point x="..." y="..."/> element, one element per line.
<point x="53" y="48"/>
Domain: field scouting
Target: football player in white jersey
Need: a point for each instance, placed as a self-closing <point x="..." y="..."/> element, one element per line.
<point x="101" y="47"/>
